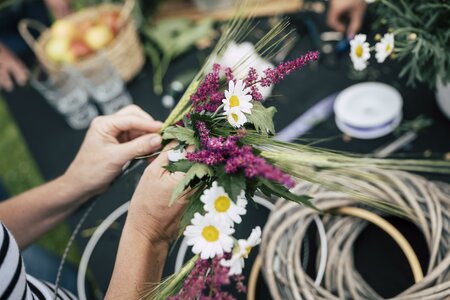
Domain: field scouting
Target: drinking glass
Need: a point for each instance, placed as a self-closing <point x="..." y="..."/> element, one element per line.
<point x="106" y="87"/>
<point x="67" y="95"/>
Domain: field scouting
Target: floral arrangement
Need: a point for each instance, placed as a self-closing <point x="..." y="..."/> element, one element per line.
<point x="235" y="156"/>
<point x="421" y="36"/>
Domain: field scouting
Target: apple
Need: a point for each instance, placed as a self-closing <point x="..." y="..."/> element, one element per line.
<point x="79" y="48"/>
<point x="98" y="36"/>
<point x="57" y="49"/>
<point x="63" y="29"/>
<point x="112" y="20"/>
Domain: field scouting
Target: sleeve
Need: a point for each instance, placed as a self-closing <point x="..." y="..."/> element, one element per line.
<point x="15" y="283"/>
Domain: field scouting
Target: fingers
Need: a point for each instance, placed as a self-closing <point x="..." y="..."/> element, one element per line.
<point x="19" y="71"/>
<point x="5" y="80"/>
<point x="140" y="146"/>
<point x="356" y="17"/>
<point x="116" y="124"/>
<point x="333" y="19"/>
<point x="134" y="110"/>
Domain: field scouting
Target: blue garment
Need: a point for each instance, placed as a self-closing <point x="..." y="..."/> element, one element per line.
<point x="10" y="17"/>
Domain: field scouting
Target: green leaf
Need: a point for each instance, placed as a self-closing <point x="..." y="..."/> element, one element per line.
<point x="271" y="188"/>
<point x="196" y="171"/>
<point x="262" y="118"/>
<point x="179" y="166"/>
<point x="181" y="134"/>
<point x="233" y="184"/>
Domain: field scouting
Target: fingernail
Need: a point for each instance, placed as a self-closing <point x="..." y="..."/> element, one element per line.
<point x="155" y="140"/>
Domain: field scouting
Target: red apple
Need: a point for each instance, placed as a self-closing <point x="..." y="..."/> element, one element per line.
<point x="79" y="48"/>
<point x="112" y="20"/>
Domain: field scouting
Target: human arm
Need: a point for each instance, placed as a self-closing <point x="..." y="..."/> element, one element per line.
<point x="150" y="226"/>
<point x="352" y="9"/>
<point x="110" y="142"/>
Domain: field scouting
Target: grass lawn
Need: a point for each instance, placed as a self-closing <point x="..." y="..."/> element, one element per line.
<point x="19" y="173"/>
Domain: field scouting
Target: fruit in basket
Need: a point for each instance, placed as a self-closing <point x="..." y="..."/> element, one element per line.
<point x="111" y="19"/>
<point x="57" y="49"/>
<point x="64" y="29"/>
<point x="79" y="48"/>
<point x="98" y="36"/>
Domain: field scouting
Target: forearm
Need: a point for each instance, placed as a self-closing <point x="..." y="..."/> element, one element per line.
<point x="139" y="264"/>
<point x="33" y="213"/>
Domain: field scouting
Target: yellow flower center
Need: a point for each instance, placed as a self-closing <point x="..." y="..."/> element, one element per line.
<point x="359" y="51"/>
<point x="247" y="251"/>
<point x="388" y="47"/>
<point x="235" y="117"/>
<point x="234" y="101"/>
<point x="222" y="203"/>
<point x="210" y="233"/>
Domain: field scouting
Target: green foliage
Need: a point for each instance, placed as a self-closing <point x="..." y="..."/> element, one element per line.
<point x="422" y="32"/>
<point x="179" y="166"/>
<point x="196" y="171"/>
<point x="168" y="39"/>
<point x="233" y="184"/>
<point x="181" y="134"/>
<point x="270" y="188"/>
<point x="262" y="118"/>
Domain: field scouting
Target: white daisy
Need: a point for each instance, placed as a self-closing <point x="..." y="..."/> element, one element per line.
<point x="241" y="251"/>
<point x="218" y="203"/>
<point x="209" y="236"/>
<point x="359" y="52"/>
<point x="385" y="47"/>
<point x="236" y="117"/>
<point x="237" y="97"/>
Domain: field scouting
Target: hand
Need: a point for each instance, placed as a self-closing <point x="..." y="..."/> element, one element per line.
<point x="353" y="9"/>
<point x="110" y="143"/>
<point x="149" y="211"/>
<point x="11" y="68"/>
<point x="59" y="8"/>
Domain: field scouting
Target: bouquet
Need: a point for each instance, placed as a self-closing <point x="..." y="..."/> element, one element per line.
<point x="235" y="156"/>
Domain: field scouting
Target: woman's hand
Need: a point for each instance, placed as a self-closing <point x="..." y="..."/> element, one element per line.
<point x="353" y="9"/>
<point x="59" y="8"/>
<point x="11" y="70"/>
<point x="149" y="211"/>
<point x="110" y="143"/>
<point x="150" y="226"/>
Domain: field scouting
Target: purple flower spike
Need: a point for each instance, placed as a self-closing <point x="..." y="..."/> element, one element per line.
<point x="273" y="76"/>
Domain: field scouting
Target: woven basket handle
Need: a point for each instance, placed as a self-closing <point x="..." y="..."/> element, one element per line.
<point x="24" y="28"/>
<point x="127" y="9"/>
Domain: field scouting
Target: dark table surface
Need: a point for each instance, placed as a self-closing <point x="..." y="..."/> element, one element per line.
<point x="53" y="145"/>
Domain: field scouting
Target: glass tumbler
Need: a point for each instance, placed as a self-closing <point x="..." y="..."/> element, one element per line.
<point x="106" y="87"/>
<point x="65" y="92"/>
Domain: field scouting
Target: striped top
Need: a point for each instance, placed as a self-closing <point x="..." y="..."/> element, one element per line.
<point x="14" y="282"/>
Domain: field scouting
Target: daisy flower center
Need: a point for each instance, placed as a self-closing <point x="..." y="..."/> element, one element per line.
<point x="235" y="117"/>
<point x="247" y="251"/>
<point x="234" y="101"/>
<point x="388" y="47"/>
<point x="359" y="51"/>
<point x="222" y="203"/>
<point x="210" y="233"/>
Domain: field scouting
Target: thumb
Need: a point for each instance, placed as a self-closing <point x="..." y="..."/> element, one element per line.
<point x="140" y="146"/>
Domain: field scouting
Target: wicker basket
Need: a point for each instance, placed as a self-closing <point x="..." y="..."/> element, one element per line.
<point x="125" y="52"/>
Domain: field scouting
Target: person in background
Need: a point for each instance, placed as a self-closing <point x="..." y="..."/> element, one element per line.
<point x="151" y="224"/>
<point x="12" y="70"/>
<point x="346" y="16"/>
